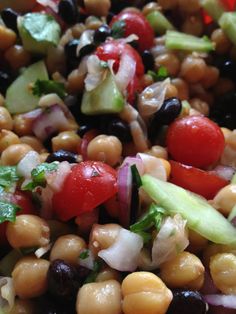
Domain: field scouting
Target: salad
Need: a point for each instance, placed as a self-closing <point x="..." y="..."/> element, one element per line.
<point x="117" y="157"/>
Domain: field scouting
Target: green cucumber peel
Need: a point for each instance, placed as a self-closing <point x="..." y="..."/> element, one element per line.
<point x="159" y="22"/>
<point x="227" y="23"/>
<point x="181" y="41"/>
<point x="214" y="8"/>
<point x="200" y="215"/>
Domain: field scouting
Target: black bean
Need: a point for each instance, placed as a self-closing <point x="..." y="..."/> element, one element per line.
<point x="68" y="11"/>
<point x="226" y="66"/>
<point x="148" y="60"/>
<point x="71" y="48"/>
<point x="5" y="81"/>
<point x="120" y="129"/>
<point x="63" y="280"/>
<point x="102" y="33"/>
<point x="84" y="129"/>
<point x="186" y="302"/>
<point x="223" y="112"/>
<point x="9" y="18"/>
<point x="62" y="155"/>
<point x="86" y="50"/>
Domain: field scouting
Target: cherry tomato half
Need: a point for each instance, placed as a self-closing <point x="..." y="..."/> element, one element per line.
<point x="88" y="185"/>
<point x="195" y="141"/>
<point x="135" y="23"/>
<point x="196" y="180"/>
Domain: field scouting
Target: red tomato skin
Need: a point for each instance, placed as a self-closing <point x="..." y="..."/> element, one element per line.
<point x="196" y="180"/>
<point x="113" y="49"/>
<point x="89" y="184"/>
<point x="195" y="141"/>
<point x="135" y="23"/>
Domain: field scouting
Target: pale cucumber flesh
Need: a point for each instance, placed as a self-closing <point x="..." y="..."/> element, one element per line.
<point x="200" y="215"/>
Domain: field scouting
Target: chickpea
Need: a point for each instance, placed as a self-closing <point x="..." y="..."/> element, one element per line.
<point x="22" y="307"/>
<point x="56" y="60"/>
<point x="193" y="25"/>
<point x="103" y="236"/>
<point x="189" y="6"/>
<point x="200" y="106"/>
<point x="14" y="153"/>
<point x="22" y="125"/>
<point x="146" y="80"/>
<point x="225" y="199"/>
<point x="211" y="77"/>
<point x="197" y="242"/>
<point x="86" y="220"/>
<point x="231" y="140"/>
<point x="17" y="57"/>
<point x="97" y="7"/>
<point x="223" y="272"/>
<point x="222" y="43"/>
<point x="78" y="29"/>
<point x="2" y="100"/>
<point x="145" y="293"/>
<point x="5" y="119"/>
<point x="182" y="87"/>
<point x="67" y="140"/>
<point x="168" y="4"/>
<point x="105" y="148"/>
<point x="169" y="61"/>
<point x="68" y="248"/>
<point x="92" y="22"/>
<point x="99" y="297"/>
<point x="213" y="249"/>
<point x="49" y="100"/>
<point x="185" y="270"/>
<point x="7" y="37"/>
<point x="108" y="274"/>
<point x="30" y="277"/>
<point x="193" y="69"/>
<point x="75" y="82"/>
<point x="28" y="231"/>
<point x="157" y="151"/>
<point x="34" y="142"/>
<point x="7" y="138"/>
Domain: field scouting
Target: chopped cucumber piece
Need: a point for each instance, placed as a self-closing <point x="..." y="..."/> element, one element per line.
<point x="19" y="97"/>
<point x="214" y="8"/>
<point x="228" y="24"/>
<point x="233" y="180"/>
<point x="201" y="216"/>
<point x="159" y="22"/>
<point x="38" y="32"/>
<point x="105" y="98"/>
<point x="182" y="41"/>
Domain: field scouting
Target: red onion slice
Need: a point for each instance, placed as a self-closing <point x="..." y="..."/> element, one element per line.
<point x="49" y="3"/>
<point x="124" y="181"/>
<point x="137" y="161"/>
<point x="51" y="120"/>
<point x="228" y="301"/>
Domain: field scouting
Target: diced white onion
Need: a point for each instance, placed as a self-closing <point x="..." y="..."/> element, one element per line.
<point x="124" y="253"/>
<point x="153" y="166"/>
<point x="87" y="262"/>
<point x="152" y="98"/>
<point x="30" y="161"/>
<point x="7" y="294"/>
<point x="95" y="73"/>
<point x="228" y="301"/>
<point x="125" y="72"/>
<point x="56" y="178"/>
<point x="170" y="240"/>
<point x="42" y="251"/>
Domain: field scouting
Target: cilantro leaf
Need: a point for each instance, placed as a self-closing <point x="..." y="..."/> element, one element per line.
<point x="43" y="87"/>
<point x="8" y="176"/>
<point x="8" y="211"/>
<point x="93" y="275"/>
<point x="153" y="218"/>
<point x="118" y="29"/>
<point x="160" y="75"/>
<point x="38" y="175"/>
<point x="84" y="254"/>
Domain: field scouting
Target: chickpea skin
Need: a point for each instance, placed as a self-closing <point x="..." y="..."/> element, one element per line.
<point x="6" y="121"/>
<point x="99" y="298"/>
<point x="105" y="148"/>
<point x="225" y="199"/>
<point x="14" y="153"/>
<point x="185" y="270"/>
<point x="28" y="231"/>
<point x="30" y="277"/>
<point x="68" y="248"/>
<point x="67" y="140"/>
<point x="145" y="293"/>
<point x="193" y="69"/>
<point x="7" y="138"/>
<point x="223" y="272"/>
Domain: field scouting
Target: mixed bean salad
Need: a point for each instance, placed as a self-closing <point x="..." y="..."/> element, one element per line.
<point x="117" y="157"/>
